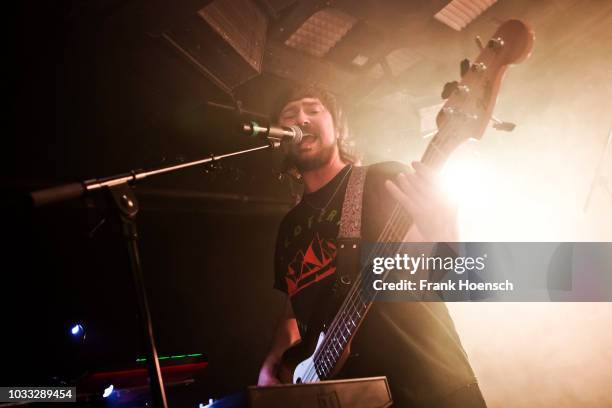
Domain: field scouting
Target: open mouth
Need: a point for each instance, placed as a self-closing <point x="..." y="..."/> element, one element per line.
<point x="308" y="138"/>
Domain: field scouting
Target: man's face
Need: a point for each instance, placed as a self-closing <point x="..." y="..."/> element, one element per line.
<point x="318" y="146"/>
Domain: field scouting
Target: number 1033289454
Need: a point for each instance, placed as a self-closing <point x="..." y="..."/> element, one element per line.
<point x="48" y="394"/>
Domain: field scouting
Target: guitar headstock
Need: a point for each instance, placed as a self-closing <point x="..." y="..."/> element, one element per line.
<point x="469" y="108"/>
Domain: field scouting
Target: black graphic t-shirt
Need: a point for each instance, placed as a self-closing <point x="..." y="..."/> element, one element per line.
<point x="414" y="344"/>
<point x="306" y="245"/>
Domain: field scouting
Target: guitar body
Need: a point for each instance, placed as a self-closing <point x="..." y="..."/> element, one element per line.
<point x="293" y="368"/>
<point x="297" y="364"/>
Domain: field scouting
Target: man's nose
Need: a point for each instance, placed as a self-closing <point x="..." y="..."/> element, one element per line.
<point x="302" y="118"/>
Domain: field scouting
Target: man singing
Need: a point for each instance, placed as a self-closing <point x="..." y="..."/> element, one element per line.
<point x="414" y="344"/>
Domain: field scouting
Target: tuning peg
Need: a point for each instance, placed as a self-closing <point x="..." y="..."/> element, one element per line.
<point x="454" y="87"/>
<point x="496" y="43"/>
<point x="479" y="43"/>
<point x="479" y="67"/>
<point x="504" y="126"/>
<point x="464" y="67"/>
<point x="449" y="88"/>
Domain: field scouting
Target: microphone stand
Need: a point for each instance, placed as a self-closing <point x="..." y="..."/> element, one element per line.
<point x="124" y="202"/>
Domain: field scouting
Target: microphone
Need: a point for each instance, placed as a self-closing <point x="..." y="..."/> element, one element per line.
<point x="275" y="133"/>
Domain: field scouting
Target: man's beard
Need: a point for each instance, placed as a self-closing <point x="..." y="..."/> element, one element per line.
<point x="312" y="163"/>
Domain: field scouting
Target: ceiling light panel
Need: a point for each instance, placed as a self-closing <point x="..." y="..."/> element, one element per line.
<point x="459" y="13"/>
<point x="321" y="31"/>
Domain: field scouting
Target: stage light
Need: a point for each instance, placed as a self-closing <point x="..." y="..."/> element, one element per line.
<point x="76" y="330"/>
<point x="108" y="391"/>
<point x="468" y="183"/>
<point x="498" y="203"/>
<point x="463" y="181"/>
<point x="480" y="192"/>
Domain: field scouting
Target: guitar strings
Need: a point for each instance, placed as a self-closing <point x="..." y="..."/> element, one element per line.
<point x="349" y="297"/>
<point x="311" y="373"/>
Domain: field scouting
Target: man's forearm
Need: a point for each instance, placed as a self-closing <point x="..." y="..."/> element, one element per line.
<point x="268" y="374"/>
<point x="271" y="364"/>
<point x="285" y="335"/>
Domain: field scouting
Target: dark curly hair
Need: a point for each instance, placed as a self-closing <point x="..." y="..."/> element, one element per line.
<point x="331" y="103"/>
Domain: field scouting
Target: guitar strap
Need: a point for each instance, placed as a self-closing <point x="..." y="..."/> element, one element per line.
<point x="349" y="237"/>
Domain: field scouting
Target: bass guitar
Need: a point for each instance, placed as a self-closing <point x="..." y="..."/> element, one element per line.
<point x="465" y="115"/>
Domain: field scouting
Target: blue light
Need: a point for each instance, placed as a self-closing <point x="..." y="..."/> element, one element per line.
<point x="76" y="330"/>
<point x="108" y="391"/>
